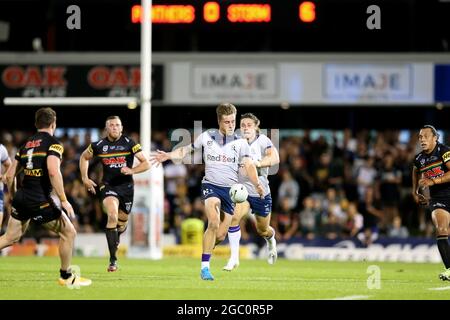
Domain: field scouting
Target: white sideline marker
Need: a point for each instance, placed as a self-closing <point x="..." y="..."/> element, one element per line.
<point x="440" y="288"/>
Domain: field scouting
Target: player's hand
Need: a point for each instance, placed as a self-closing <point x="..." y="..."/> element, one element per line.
<point x="90" y="185"/>
<point x="420" y="199"/>
<point x="260" y="190"/>
<point x="159" y="157"/>
<point x="68" y="209"/>
<point x="425" y="182"/>
<point x="126" y="171"/>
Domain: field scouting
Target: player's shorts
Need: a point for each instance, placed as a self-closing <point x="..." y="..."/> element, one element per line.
<point x="124" y="193"/>
<point x="223" y="193"/>
<point x="439" y="204"/>
<point x="25" y="207"/>
<point x="1" y="201"/>
<point x="261" y="207"/>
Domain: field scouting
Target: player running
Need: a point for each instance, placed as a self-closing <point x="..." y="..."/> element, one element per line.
<point x="264" y="155"/>
<point x="41" y="199"/>
<point x="117" y="153"/>
<point x="223" y="151"/>
<point x="432" y="169"/>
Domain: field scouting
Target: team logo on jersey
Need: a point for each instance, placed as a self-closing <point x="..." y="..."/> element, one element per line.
<point x="105" y="148"/>
<point x="446" y="156"/>
<point x="209" y="143"/>
<point x="207" y="191"/>
<point x="422" y="162"/>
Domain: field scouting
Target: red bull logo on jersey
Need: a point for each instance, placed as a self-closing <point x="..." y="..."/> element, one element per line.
<point x="221" y="158"/>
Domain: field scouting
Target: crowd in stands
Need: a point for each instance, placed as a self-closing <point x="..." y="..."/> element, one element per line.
<point x="339" y="185"/>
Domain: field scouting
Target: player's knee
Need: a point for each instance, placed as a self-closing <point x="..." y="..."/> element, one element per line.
<point x="12" y="238"/>
<point x="69" y="233"/>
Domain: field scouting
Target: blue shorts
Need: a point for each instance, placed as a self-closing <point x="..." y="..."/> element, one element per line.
<point x="1" y="201"/>
<point x="261" y="207"/>
<point x="223" y="193"/>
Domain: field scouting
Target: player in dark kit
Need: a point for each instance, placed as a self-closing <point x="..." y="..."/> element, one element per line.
<point x="432" y="169"/>
<point x="41" y="198"/>
<point x="117" y="153"/>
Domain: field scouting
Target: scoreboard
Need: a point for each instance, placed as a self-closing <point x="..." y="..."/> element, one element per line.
<point x="212" y="12"/>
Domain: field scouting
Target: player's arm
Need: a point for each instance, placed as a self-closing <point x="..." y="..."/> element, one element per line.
<point x="144" y="165"/>
<point x="9" y="177"/>
<point x="85" y="157"/>
<point x="56" y="179"/>
<point x="6" y="164"/>
<point x="418" y="198"/>
<point x="175" y="155"/>
<point x="271" y="158"/>
<point x="252" y="174"/>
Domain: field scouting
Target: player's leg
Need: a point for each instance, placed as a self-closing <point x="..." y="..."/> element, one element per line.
<point x="212" y="209"/>
<point x="67" y="233"/>
<point x="234" y="234"/>
<point x="1" y="210"/>
<point x="122" y="222"/>
<point x="1" y="218"/>
<point x="268" y="233"/>
<point x="111" y="205"/>
<point x="441" y="220"/>
<point x="14" y="231"/>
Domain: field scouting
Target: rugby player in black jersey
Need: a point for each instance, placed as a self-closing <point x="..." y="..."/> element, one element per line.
<point x="41" y="198"/>
<point x="117" y="153"/>
<point x="432" y="169"/>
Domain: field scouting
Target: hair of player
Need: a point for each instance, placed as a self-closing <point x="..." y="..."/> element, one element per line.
<point x="433" y="130"/>
<point x="225" y="109"/>
<point x="251" y="116"/>
<point x="113" y="118"/>
<point x="44" y="117"/>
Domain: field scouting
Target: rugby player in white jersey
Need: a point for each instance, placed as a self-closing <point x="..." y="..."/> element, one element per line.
<point x="264" y="155"/>
<point x="223" y="152"/>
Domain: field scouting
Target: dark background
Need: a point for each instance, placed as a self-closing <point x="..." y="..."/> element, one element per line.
<point x="408" y="26"/>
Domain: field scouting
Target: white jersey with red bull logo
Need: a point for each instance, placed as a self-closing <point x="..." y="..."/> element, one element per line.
<point x="222" y="156"/>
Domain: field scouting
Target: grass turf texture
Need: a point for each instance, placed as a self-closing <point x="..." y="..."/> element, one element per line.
<point x="178" y="279"/>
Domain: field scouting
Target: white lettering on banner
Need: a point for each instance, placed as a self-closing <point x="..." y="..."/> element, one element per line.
<point x="376" y="252"/>
<point x="368" y="82"/>
<point x="234" y="82"/>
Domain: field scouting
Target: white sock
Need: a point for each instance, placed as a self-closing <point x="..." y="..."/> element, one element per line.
<point x="234" y="237"/>
<point x="270" y="240"/>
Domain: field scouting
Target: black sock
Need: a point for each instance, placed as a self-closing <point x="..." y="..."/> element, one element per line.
<point x="112" y="237"/>
<point x="444" y="250"/>
<point x="64" y="274"/>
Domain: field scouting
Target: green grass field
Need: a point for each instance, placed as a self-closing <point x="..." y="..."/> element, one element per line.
<point x="178" y="279"/>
